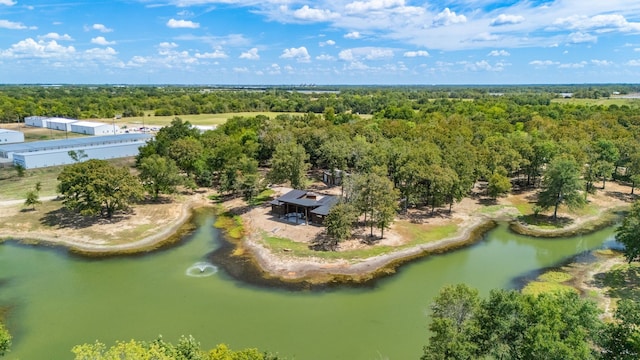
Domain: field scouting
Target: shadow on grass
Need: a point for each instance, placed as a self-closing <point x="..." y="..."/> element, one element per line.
<point x="626" y="197"/>
<point x="622" y="282"/>
<point x="546" y="221"/>
<point x="64" y="218"/>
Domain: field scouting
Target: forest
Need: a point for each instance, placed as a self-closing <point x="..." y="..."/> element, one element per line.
<point x="419" y="147"/>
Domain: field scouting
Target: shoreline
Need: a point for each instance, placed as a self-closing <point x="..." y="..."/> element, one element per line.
<point x="316" y="270"/>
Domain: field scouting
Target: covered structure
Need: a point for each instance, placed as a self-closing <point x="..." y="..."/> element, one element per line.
<point x="11" y="136"/>
<point x="303" y="205"/>
<point x="333" y="178"/>
<point x="36" y="121"/>
<point x="39" y="159"/>
<point x="61" y="124"/>
<point x="92" y="128"/>
<point x="7" y="151"/>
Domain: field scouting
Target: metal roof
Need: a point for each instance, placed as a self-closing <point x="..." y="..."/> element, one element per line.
<point x="297" y="197"/>
<point x="89" y="124"/>
<point x="69" y="143"/>
<point x="8" y="131"/>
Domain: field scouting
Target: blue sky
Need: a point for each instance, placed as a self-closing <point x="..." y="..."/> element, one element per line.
<point x="319" y="42"/>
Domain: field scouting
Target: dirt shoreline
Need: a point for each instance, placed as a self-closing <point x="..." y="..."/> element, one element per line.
<point x="469" y="215"/>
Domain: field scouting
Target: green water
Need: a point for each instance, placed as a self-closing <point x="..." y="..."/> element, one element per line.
<point x="57" y="300"/>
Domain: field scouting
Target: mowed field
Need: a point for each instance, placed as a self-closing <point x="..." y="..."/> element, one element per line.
<point x="619" y="101"/>
<point x="150" y="120"/>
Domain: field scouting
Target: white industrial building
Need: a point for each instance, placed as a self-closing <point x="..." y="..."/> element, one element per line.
<point x="39" y="159"/>
<point x="81" y="143"/>
<point x="36" y="121"/>
<point x="10" y="136"/>
<point x="61" y="124"/>
<point x="92" y="128"/>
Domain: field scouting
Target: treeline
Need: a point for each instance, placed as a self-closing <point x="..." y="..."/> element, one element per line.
<point x="82" y="102"/>
<point x="511" y="325"/>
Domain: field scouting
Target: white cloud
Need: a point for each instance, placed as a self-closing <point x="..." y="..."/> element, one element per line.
<point x="579" y="65"/>
<point x="274" y="69"/>
<point x="100" y="40"/>
<point x="240" y="70"/>
<point x="482" y="65"/>
<point x="448" y="17"/>
<point x="251" y="54"/>
<point x="107" y="53"/>
<point x="325" y="57"/>
<point x="352" y="35"/>
<point x="327" y="43"/>
<point x="542" y="63"/>
<point x="633" y="63"/>
<point x="418" y="53"/>
<point x="167" y="45"/>
<point x="301" y="54"/>
<point x="503" y="19"/>
<point x="601" y="62"/>
<point x="365" y="53"/>
<point x="217" y="54"/>
<point x="56" y="36"/>
<point x="499" y="53"/>
<point x="11" y="25"/>
<point x="600" y="23"/>
<point x="485" y="36"/>
<point x="636" y="49"/>
<point x="7" y="2"/>
<point x="101" y="28"/>
<point x="312" y="14"/>
<point x="179" y="24"/>
<point x="359" y="7"/>
<point x="580" y="37"/>
<point x="29" y="48"/>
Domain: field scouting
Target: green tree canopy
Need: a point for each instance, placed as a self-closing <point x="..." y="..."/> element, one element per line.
<point x="629" y="233"/>
<point x="289" y="163"/>
<point x="5" y="340"/>
<point x="159" y="175"/>
<point x="96" y="187"/>
<point x="561" y="185"/>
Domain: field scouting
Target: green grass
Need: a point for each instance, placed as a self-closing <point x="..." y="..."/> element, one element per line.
<point x="263" y="197"/>
<point x="302" y="250"/>
<point x="13" y="187"/>
<point x="230" y="224"/>
<point x="199" y="119"/>
<point x="622" y="281"/>
<point x="551" y="281"/>
<point x="603" y="101"/>
<point x="491" y="209"/>
<point x="421" y="234"/>
<point x="539" y="287"/>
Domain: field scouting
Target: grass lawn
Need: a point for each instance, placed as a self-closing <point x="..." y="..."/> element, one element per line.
<point x="551" y="281"/>
<point x="199" y="119"/>
<point x="602" y="101"/>
<point x="13" y="187"/>
<point x="622" y="281"/>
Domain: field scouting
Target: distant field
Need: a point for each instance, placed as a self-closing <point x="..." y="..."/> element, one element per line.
<point x="603" y="101"/>
<point x="200" y="119"/>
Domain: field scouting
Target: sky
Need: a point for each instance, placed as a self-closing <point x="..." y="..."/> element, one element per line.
<point x="325" y="42"/>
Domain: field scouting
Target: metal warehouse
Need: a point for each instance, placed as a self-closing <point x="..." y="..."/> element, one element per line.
<point x="60" y="123"/>
<point x="10" y="136"/>
<point x="39" y="159"/>
<point x="7" y="151"/>
<point x="36" y="121"/>
<point x="92" y="128"/>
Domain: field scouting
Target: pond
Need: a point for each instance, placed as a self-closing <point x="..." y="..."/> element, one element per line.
<point x="55" y="299"/>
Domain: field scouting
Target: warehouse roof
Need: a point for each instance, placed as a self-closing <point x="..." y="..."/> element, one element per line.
<point x="89" y="123"/>
<point x="74" y="142"/>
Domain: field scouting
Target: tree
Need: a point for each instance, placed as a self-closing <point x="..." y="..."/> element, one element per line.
<point x="5" y="340"/>
<point x="499" y="184"/>
<point x="186" y="152"/>
<point x="339" y="223"/>
<point x="19" y="170"/>
<point x="289" y="163"/>
<point x="77" y="156"/>
<point x="629" y="233"/>
<point x="452" y="325"/>
<point x="159" y="175"/>
<point x="510" y="325"/>
<point x="621" y="337"/>
<point x="32" y="199"/>
<point x="561" y="185"/>
<point x="96" y="187"/>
